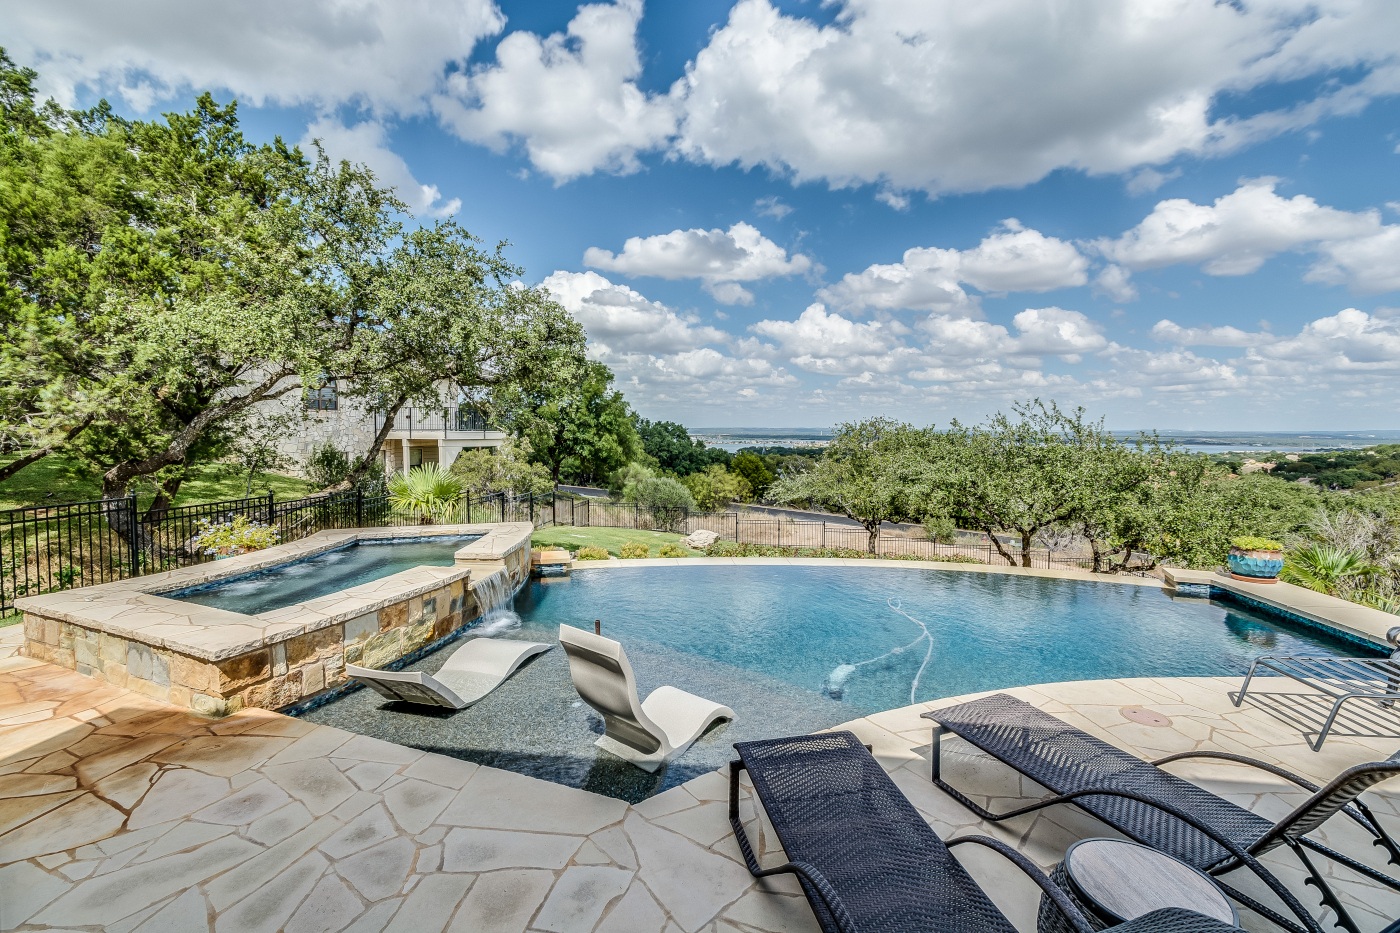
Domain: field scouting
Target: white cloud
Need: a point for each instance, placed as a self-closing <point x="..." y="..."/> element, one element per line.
<point x="1055" y="331"/>
<point x="955" y="96"/>
<point x="368" y="143"/>
<point x="624" y="320"/>
<point x="389" y="55"/>
<point x="1115" y="282"/>
<point x="1242" y="230"/>
<point x="1366" y="264"/>
<point x="718" y="258"/>
<point x="571" y="98"/>
<point x="930" y="278"/>
<point x="1235" y="235"/>
<point x="661" y="356"/>
<point x="772" y="206"/>
<point x="1346" y="342"/>
<point x="819" y="333"/>
<point x="1220" y="336"/>
<point x="1148" y="180"/>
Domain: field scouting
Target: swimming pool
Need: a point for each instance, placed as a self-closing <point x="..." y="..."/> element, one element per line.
<point x="798" y="648"/>
<point x="325" y="573"/>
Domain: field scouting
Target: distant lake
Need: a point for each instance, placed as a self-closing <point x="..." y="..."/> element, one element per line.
<point x="1209" y="442"/>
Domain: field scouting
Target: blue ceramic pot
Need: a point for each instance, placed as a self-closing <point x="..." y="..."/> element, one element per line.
<point x="1260" y="565"/>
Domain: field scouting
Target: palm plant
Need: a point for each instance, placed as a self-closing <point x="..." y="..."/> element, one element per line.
<point x="1326" y="568"/>
<point x="428" y="493"/>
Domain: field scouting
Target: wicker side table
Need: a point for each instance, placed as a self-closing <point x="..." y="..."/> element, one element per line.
<point x="1113" y="881"/>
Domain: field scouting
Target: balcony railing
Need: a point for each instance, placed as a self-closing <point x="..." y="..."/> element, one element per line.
<point x="441" y="422"/>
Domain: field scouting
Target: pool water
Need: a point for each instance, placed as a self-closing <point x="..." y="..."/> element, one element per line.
<point x="329" y="572"/>
<point x="794" y="649"/>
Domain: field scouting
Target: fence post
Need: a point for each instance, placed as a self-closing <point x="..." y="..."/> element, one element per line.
<point x="133" y="535"/>
<point x="532" y="508"/>
<point x="359" y="507"/>
<point x="823" y="534"/>
<point x="270" y="517"/>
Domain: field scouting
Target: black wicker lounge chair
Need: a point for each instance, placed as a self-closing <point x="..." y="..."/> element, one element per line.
<point x="866" y="859"/>
<point x="1159" y="809"/>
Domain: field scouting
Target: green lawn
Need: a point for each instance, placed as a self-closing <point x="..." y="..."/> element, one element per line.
<point x="68" y="482"/>
<point x="611" y="538"/>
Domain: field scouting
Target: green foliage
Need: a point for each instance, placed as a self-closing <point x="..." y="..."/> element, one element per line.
<point x="235" y="536"/>
<point x="1342" y="469"/>
<point x="427" y="493"/>
<point x="1035" y="469"/>
<point x="662" y="493"/>
<point x="868" y="473"/>
<point x="577" y="425"/>
<point x="634" y="550"/>
<point x="1327" y="569"/>
<point x="507" y="469"/>
<point x="754" y="470"/>
<point x="714" y="488"/>
<point x="327" y="465"/>
<point x="671" y="446"/>
<point x="723" y="548"/>
<point x="161" y="278"/>
<point x="672" y="550"/>
<point x="1248" y="543"/>
<point x="940" y="528"/>
<point x="592" y="552"/>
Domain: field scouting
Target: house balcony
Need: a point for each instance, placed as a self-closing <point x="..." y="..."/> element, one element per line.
<point x="449" y="424"/>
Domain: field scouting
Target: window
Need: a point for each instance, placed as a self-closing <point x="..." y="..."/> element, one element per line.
<point x="415" y="456"/>
<point x="322" y="397"/>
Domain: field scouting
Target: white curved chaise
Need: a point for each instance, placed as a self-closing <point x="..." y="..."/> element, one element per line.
<point x="474" y="670"/>
<point x="650" y="733"/>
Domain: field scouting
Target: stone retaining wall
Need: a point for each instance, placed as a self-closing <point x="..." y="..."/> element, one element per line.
<point x="301" y="652"/>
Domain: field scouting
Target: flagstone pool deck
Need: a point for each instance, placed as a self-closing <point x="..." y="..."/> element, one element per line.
<point x="122" y="813"/>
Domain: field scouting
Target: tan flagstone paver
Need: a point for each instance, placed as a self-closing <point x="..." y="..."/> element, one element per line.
<point x="122" y="814"/>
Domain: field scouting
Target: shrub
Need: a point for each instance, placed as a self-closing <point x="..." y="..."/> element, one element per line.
<point x="672" y="550"/>
<point x="235" y="536"/>
<point x="327" y="465"/>
<point x="592" y="552"/>
<point x="724" y="548"/>
<point x="633" y="550"/>
<point x="662" y="492"/>
<point x="428" y="493"/>
<point x="1247" y="543"/>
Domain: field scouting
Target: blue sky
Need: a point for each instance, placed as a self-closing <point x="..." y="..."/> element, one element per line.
<point x="1181" y="215"/>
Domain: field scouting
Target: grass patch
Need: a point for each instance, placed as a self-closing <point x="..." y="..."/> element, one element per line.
<point x="69" y="481"/>
<point x="610" y="539"/>
<point x="13" y="618"/>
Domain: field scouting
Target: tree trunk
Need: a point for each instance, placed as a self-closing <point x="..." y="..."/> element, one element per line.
<point x="1026" y="537"/>
<point x="116" y="480"/>
<point x="14" y="466"/>
<point x="873" y="529"/>
<point x="165" y="497"/>
<point x="1095" y="550"/>
<point x="361" y="466"/>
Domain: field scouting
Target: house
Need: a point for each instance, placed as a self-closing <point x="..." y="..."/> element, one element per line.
<point x="418" y="435"/>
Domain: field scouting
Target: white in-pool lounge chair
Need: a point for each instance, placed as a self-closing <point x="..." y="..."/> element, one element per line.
<point x="474" y="670"/>
<point x="647" y="734"/>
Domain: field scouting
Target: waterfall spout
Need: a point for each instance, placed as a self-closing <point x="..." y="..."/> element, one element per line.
<point x="495" y="597"/>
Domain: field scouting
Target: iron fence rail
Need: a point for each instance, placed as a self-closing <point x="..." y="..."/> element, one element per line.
<point x="57" y="547"/>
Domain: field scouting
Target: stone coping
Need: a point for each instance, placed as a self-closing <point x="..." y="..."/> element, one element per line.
<point x="135" y="609"/>
<point x="121" y="813"/>
<point x="1346" y="618"/>
<point x="1082" y="575"/>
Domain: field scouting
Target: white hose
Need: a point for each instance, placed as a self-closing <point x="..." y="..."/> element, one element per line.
<point x="836" y="680"/>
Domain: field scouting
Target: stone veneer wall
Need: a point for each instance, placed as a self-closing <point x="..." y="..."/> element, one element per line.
<point x="271" y="676"/>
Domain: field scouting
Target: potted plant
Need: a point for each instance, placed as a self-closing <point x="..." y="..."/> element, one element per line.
<point x="1255" y="560"/>
<point x="233" y="537"/>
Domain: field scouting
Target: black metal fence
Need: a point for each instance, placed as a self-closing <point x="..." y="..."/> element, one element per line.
<point x="58" y="547"/>
<point x="767" y="531"/>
